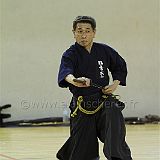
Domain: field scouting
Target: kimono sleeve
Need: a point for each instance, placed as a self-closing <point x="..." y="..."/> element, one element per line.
<point x="66" y="68"/>
<point x="118" y="67"/>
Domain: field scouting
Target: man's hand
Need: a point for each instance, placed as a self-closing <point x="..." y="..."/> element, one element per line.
<point x="111" y="88"/>
<point x="81" y="82"/>
<point x="78" y="82"/>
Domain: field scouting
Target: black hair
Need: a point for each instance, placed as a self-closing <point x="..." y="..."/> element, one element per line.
<point x="84" y="19"/>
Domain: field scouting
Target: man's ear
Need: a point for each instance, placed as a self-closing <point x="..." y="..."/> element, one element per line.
<point x="94" y="32"/>
<point x="73" y="33"/>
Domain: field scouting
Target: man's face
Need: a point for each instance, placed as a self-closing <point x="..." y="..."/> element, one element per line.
<point x="84" y="34"/>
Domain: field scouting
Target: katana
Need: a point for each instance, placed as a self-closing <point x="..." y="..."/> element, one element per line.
<point x="91" y="83"/>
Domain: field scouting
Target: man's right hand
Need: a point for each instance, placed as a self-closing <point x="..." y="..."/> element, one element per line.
<point x="78" y="82"/>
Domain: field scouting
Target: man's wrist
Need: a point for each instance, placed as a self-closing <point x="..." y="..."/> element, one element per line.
<point x="116" y="82"/>
<point x="69" y="78"/>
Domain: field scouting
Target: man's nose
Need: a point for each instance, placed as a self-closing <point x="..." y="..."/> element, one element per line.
<point x="83" y="35"/>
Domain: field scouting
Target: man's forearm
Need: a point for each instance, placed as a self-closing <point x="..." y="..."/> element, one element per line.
<point x="69" y="78"/>
<point x="116" y="82"/>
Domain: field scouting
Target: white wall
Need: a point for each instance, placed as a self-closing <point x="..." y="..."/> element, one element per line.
<point x="34" y="34"/>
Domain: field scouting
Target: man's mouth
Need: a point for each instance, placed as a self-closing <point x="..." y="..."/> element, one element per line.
<point x="84" y="41"/>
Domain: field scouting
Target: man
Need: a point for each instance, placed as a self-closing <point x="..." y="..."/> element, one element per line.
<point x="95" y="112"/>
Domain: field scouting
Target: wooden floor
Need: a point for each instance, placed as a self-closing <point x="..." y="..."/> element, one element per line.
<point x="42" y="143"/>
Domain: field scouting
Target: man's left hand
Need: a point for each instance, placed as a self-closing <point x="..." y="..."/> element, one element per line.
<point x="111" y="88"/>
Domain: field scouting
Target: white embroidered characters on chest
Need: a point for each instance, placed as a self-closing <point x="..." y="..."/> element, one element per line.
<point x="101" y="73"/>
